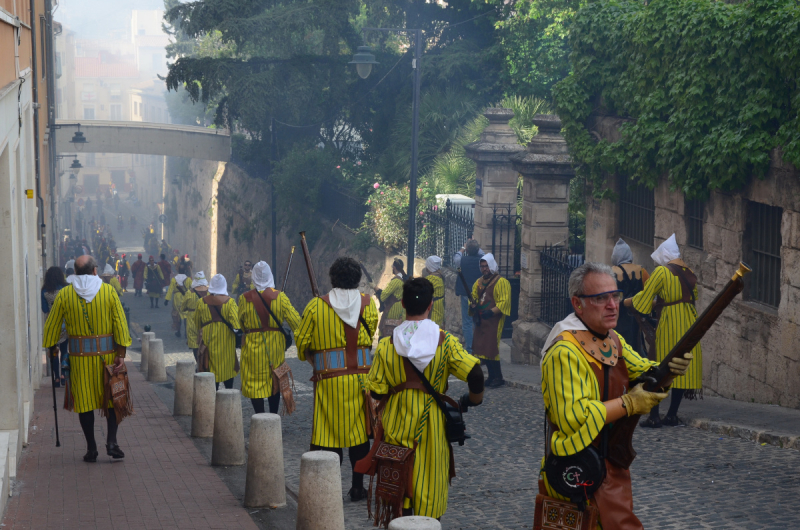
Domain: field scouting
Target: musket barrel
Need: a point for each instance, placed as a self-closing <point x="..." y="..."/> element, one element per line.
<point x="311" y="277"/>
<point x="288" y="267"/>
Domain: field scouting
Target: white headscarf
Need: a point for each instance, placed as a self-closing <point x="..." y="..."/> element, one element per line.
<point x="108" y="271"/>
<point x="347" y="304"/>
<point x="417" y="340"/>
<point x="621" y="253"/>
<point x="218" y="285"/>
<point x="180" y="278"/>
<point x="666" y="251"/>
<point x="262" y="276"/>
<point x="433" y="263"/>
<point x="572" y="322"/>
<point x="87" y="286"/>
<point x="489" y="258"/>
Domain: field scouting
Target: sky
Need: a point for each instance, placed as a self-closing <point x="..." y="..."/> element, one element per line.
<point x="98" y="19"/>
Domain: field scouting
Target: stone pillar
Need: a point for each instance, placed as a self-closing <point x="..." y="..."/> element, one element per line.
<point x="227" y="447"/>
<point x="146" y="336"/>
<point x="546" y="169"/>
<point x="415" y="522"/>
<point x="156" y="369"/>
<point x="496" y="180"/>
<point x="184" y="388"/>
<point x="265" y="485"/>
<point x="203" y="405"/>
<point x="319" y="501"/>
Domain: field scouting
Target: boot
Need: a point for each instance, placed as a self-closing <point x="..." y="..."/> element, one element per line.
<point x="114" y="451"/>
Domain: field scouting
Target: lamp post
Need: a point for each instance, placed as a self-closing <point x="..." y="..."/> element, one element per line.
<point x="363" y="59"/>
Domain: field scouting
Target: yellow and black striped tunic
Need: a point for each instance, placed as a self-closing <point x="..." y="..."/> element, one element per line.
<point x="572" y="397"/>
<point x="262" y="351"/>
<point x="102" y="316"/>
<point x="219" y="339"/>
<point x="395" y="287"/>
<point x="437" y="313"/>
<point x="502" y="299"/>
<point x="188" y="308"/>
<point x="674" y="322"/>
<point x="338" y="401"/>
<point x="413" y="416"/>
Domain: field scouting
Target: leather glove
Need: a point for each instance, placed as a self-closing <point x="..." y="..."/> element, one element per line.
<point x="487" y="314"/>
<point x="678" y="365"/>
<point x="166" y="303"/>
<point x="640" y="401"/>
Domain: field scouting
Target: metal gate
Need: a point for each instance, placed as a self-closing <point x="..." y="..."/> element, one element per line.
<point x="506" y="249"/>
<point x="557" y="265"/>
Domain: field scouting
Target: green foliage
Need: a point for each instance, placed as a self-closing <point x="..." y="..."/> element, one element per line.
<point x="387" y="218"/>
<point x="706" y="90"/>
<point x="298" y="178"/>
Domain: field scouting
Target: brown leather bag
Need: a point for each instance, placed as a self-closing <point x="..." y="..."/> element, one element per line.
<point x="555" y="514"/>
<point x="117" y="389"/>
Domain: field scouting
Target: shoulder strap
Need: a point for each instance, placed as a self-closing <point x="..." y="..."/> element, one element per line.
<point x="688" y="281"/>
<point x="267" y="307"/>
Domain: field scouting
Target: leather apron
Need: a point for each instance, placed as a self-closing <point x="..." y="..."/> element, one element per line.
<point x="484" y="338"/>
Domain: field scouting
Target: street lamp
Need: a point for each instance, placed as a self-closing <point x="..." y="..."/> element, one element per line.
<point x="75" y="168"/>
<point x="363" y="59"/>
<point x="78" y="139"/>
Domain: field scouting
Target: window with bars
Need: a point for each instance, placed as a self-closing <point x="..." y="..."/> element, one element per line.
<point x="694" y="210"/>
<point x="637" y="214"/>
<point x="762" y="250"/>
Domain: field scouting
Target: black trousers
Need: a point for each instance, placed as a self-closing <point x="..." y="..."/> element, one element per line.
<point x="356" y="453"/>
<point x="55" y="362"/>
<point x="228" y="384"/>
<point x="495" y="372"/>
<point x="274" y="401"/>
<point x="87" y="425"/>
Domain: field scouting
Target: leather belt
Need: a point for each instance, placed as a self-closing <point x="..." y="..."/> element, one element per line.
<point x="333" y="363"/>
<point x="260" y="330"/>
<point x="91" y="345"/>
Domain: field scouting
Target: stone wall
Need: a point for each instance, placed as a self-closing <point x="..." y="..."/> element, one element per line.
<point x="749" y="354"/>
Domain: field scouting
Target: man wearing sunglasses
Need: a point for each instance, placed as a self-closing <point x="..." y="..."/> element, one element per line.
<point x="587" y="369"/>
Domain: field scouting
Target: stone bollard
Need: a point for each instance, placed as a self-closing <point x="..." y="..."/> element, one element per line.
<point x="415" y="522"/>
<point x="265" y="485"/>
<point x="227" y="448"/>
<point x="146" y="336"/>
<point x="184" y="388"/>
<point x="156" y="368"/>
<point x="203" y="399"/>
<point x="319" y="501"/>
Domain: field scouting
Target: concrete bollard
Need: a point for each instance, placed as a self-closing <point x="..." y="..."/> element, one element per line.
<point x="203" y="399"/>
<point x="184" y="388"/>
<point x="319" y="501"/>
<point x="415" y="522"/>
<point x="156" y="368"/>
<point x="146" y="336"/>
<point x="265" y="485"/>
<point x="227" y="448"/>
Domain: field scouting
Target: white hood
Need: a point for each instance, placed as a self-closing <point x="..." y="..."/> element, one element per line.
<point x="417" y="340"/>
<point x="347" y="304"/>
<point x="87" y="286"/>
<point x="572" y="322"/>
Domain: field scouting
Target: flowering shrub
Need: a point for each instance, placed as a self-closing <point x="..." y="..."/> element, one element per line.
<point x="387" y="219"/>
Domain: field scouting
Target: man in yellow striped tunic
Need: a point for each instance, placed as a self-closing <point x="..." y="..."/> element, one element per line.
<point x="586" y="374"/>
<point x="677" y="316"/>
<point x="90" y="308"/>
<point x="109" y="277"/>
<point x="339" y="412"/>
<point x="411" y="416"/>
<point x="434" y="267"/>
<point x="175" y="293"/>
<point x="211" y="315"/>
<point x="492" y="293"/>
<point x="393" y="312"/>
<point x="263" y="351"/>
<point x="199" y="289"/>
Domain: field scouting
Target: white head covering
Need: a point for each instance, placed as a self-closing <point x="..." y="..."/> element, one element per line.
<point x="347" y="304"/>
<point x="218" y="285"/>
<point x="86" y="285"/>
<point x="666" y="251"/>
<point x="417" y="340"/>
<point x="180" y="278"/>
<point x="489" y="258"/>
<point x="572" y="322"/>
<point x="200" y="279"/>
<point x="433" y="263"/>
<point x="108" y="271"/>
<point x="262" y="276"/>
<point x="70" y="278"/>
<point x="621" y="253"/>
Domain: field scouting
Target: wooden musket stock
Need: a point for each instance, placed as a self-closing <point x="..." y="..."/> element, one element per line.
<point x="311" y="278"/>
<point x="288" y="268"/>
<point x="620" y="446"/>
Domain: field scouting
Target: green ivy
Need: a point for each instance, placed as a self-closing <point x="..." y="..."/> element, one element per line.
<point x="706" y="90"/>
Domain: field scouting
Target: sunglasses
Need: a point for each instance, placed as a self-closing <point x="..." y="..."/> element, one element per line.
<point x="601" y="299"/>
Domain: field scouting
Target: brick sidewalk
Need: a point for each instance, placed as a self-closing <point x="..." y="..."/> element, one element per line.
<point x="164" y="481"/>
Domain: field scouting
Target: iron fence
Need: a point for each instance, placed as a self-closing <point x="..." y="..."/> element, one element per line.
<point x="441" y="231"/>
<point x="507" y="250"/>
<point x="342" y="206"/>
<point x="557" y="265"/>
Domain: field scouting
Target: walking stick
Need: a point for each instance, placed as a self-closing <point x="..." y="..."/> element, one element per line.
<point x="55" y="406"/>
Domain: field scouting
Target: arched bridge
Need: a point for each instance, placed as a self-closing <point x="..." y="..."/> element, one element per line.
<point x="143" y="138"/>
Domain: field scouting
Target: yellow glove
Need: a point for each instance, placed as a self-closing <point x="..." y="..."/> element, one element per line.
<point x="640" y="401"/>
<point x="678" y="365"/>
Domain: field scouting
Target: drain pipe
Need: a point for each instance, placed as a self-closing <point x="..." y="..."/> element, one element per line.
<point x="37" y="161"/>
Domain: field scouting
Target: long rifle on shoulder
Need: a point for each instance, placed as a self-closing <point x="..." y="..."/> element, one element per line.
<point x="311" y="277"/>
<point x="476" y="316"/>
<point x="659" y="378"/>
<point x="288" y="268"/>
